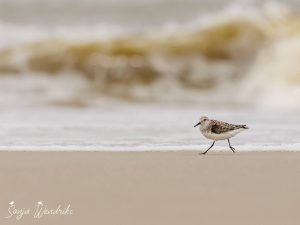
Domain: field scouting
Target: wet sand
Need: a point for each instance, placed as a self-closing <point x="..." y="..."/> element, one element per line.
<point x="142" y="188"/>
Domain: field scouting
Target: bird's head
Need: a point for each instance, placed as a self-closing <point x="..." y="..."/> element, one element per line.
<point x="202" y="120"/>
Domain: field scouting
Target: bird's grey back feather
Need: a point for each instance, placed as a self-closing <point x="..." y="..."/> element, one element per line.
<point x="219" y="127"/>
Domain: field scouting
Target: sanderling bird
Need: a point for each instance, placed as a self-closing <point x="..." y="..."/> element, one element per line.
<point x="218" y="130"/>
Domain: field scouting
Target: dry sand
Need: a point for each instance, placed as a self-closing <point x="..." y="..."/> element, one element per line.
<point x="157" y="188"/>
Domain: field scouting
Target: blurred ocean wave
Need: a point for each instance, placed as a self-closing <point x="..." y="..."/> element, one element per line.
<point x="232" y="57"/>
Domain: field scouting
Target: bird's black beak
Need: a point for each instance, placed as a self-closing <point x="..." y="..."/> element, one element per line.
<point x="197" y="124"/>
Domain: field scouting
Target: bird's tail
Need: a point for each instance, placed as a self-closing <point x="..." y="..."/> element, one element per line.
<point x="244" y="126"/>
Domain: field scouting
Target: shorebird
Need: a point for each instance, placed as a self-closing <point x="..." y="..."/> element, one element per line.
<point x="218" y="130"/>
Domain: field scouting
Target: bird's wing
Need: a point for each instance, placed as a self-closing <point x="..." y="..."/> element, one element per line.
<point x="218" y="128"/>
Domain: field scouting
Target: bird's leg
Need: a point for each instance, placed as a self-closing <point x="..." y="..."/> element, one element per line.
<point x="203" y="153"/>
<point x="232" y="148"/>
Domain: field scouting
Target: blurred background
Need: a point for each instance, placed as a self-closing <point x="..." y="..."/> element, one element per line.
<point x="118" y="72"/>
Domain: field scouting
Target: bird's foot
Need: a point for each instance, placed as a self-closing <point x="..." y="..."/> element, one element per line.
<point x="202" y="153"/>
<point x="232" y="148"/>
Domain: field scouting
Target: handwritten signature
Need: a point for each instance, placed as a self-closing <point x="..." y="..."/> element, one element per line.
<point x="38" y="211"/>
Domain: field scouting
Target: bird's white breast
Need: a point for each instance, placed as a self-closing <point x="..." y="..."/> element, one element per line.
<point x="222" y="136"/>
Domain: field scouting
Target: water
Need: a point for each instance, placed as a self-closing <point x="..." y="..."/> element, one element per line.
<point x="141" y="128"/>
<point x="209" y="57"/>
<point x="137" y="75"/>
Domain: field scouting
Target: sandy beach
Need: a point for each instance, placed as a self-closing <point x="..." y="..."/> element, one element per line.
<point x="153" y="187"/>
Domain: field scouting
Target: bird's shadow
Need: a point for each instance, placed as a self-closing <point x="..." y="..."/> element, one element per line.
<point x="222" y="154"/>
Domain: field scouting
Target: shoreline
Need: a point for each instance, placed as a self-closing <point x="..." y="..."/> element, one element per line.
<point x="155" y="187"/>
<point x="163" y="149"/>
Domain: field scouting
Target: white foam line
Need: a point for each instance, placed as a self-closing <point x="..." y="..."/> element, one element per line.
<point x="58" y="148"/>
